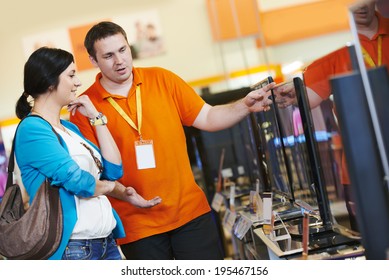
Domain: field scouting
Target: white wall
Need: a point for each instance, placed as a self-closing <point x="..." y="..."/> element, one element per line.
<point x="191" y="51"/>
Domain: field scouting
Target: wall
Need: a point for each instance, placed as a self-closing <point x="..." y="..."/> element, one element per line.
<point x="191" y="51"/>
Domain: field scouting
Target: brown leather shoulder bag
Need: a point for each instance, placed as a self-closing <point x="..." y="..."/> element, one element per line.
<point x="34" y="233"/>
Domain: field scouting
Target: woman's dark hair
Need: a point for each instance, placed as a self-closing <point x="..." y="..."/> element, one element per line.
<point x="41" y="71"/>
<point x="100" y="31"/>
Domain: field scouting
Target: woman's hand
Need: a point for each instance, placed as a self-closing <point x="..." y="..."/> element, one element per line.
<point x="84" y="106"/>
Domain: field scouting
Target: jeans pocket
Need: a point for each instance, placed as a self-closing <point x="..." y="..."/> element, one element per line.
<point x="77" y="251"/>
<point x="112" y="242"/>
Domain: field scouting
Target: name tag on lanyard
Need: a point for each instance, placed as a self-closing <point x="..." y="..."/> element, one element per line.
<point x="144" y="149"/>
<point x="144" y="152"/>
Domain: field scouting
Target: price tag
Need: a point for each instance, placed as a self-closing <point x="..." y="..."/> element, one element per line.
<point x="217" y="202"/>
<point x="229" y="220"/>
<point x="242" y="227"/>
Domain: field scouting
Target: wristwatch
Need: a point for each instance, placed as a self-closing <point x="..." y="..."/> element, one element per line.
<point x="99" y="120"/>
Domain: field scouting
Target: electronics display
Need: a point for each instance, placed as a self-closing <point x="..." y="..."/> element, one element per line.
<point x="308" y="158"/>
<point x="279" y="149"/>
<point x="293" y="137"/>
<point x="271" y="150"/>
<point x="285" y="152"/>
<point x="240" y="158"/>
<point x="364" y="159"/>
<point x="318" y="180"/>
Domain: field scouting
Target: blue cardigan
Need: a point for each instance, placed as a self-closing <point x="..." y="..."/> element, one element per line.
<point x="39" y="154"/>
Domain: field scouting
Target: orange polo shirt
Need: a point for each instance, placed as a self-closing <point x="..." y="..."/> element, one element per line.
<point x="317" y="74"/>
<point x="168" y="103"/>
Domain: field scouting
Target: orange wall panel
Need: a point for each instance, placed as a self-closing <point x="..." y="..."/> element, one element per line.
<point x="247" y="13"/>
<point x="308" y="20"/>
<point x="77" y="35"/>
<point x="280" y="25"/>
<point x="231" y="20"/>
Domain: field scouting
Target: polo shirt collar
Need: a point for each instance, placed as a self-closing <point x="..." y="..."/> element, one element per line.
<point x="383" y="26"/>
<point x="137" y="80"/>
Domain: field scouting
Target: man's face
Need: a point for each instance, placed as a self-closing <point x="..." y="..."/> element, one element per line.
<point x="113" y="57"/>
<point x="364" y="12"/>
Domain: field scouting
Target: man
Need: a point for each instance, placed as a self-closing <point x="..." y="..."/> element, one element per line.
<point x="373" y="33"/>
<point x="146" y="109"/>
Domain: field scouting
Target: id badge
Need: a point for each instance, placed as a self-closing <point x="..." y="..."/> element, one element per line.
<point x="144" y="152"/>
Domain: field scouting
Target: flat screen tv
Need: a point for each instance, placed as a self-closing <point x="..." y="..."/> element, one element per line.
<point x="290" y="149"/>
<point x="364" y="158"/>
<point x="313" y="163"/>
<point x="240" y="158"/>
<point x="272" y="150"/>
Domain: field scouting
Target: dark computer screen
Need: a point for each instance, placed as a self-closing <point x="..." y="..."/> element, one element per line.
<point x="364" y="159"/>
<point x="302" y="145"/>
<point x="272" y="149"/>
<point x="240" y="162"/>
<point x="309" y="138"/>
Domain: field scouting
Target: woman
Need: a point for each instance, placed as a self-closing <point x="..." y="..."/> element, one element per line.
<point x="84" y="173"/>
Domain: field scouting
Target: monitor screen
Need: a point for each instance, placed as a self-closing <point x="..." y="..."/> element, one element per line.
<point x="272" y="150"/>
<point x="305" y="147"/>
<point x="239" y="159"/>
<point x="292" y="138"/>
<point x="309" y="142"/>
<point x="231" y="151"/>
<point x="364" y="158"/>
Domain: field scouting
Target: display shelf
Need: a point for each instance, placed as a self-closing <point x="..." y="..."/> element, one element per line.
<point x="323" y="244"/>
<point x="274" y="250"/>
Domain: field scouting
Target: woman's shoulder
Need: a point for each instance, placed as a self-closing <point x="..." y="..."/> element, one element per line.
<point x="33" y="122"/>
<point x="31" y="129"/>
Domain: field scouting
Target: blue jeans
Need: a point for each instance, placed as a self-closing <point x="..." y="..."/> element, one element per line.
<point x="92" y="249"/>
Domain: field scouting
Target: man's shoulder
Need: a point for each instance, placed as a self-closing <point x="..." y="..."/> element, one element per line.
<point x="91" y="90"/>
<point x="152" y="74"/>
<point x="331" y="58"/>
<point x="152" y="70"/>
<point x="384" y="23"/>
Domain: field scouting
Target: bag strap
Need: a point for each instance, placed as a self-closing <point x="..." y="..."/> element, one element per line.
<point x="11" y="162"/>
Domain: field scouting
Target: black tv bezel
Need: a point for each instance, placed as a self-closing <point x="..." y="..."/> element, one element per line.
<point x="262" y="146"/>
<point x="363" y="157"/>
<point x="319" y="182"/>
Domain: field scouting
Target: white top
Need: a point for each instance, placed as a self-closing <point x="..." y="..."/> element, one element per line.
<point x="95" y="217"/>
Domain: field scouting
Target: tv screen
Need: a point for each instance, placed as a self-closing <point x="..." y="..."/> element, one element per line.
<point x="301" y="145"/>
<point x="311" y="139"/>
<point x="272" y="150"/>
<point x="292" y="138"/>
<point x="232" y="150"/>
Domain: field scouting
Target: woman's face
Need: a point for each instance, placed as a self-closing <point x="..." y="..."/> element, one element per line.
<point x="68" y="85"/>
